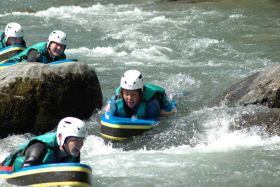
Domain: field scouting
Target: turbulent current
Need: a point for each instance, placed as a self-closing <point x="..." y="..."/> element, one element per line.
<point x="195" y="50"/>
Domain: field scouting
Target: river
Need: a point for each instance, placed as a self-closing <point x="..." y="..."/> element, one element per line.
<point x="194" y="49"/>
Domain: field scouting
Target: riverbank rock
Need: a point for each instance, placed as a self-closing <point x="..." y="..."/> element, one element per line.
<point x="34" y="96"/>
<point x="260" y="88"/>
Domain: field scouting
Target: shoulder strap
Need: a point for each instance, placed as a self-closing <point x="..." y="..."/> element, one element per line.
<point x="2" y="38"/>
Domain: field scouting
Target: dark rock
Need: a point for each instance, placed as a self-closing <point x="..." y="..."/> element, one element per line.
<point x="260" y="88"/>
<point x="269" y="120"/>
<point x="34" y="97"/>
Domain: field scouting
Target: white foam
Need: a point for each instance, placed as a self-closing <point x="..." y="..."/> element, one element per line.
<point x="96" y="146"/>
<point x="158" y="20"/>
<point x="135" y="63"/>
<point x="95" y="52"/>
<point x="61" y="12"/>
<point x="152" y="53"/>
<point x="236" y="16"/>
<point x="178" y="84"/>
<point x="202" y="43"/>
<point x="11" y="143"/>
<point x="217" y="135"/>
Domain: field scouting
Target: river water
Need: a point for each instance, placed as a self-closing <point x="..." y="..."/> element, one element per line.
<point x="194" y="49"/>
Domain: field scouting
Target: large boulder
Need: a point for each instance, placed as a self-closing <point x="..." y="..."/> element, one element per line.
<point x="260" y="88"/>
<point x="34" y="96"/>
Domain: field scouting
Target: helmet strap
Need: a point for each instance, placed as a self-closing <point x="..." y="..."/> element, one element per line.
<point x="63" y="147"/>
<point x="6" y="39"/>
<point x="49" y="51"/>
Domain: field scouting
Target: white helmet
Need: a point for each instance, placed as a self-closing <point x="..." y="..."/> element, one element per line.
<point x="13" y="30"/>
<point x="70" y="126"/>
<point x="132" y="80"/>
<point x="58" y="37"/>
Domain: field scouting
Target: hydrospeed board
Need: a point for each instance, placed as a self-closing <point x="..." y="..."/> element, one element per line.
<point x="60" y="174"/>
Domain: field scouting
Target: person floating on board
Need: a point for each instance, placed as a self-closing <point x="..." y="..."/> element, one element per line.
<point x="64" y="145"/>
<point x="45" y="52"/>
<point x="134" y="99"/>
<point x="12" y="35"/>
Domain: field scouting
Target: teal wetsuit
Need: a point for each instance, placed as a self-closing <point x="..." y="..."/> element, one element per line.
<point x="39" y="150"/>
<point x="152" y="101"/>
<point x="37" y="53"/>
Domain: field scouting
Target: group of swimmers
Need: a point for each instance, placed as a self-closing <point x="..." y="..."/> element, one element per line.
<point x="132" y="99"/>
<point x="43" y="52"/>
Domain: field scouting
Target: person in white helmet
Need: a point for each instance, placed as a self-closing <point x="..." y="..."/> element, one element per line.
<point x="12" y="35"/>
<point x="45" y="52"/>
<point x="138" y="100"/>
<point x="64" y="145"/>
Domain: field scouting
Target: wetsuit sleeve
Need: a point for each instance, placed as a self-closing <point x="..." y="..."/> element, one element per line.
<point x="34" y="154"/>
<point x="33" y="56"/>
<point x="153" y="109"/>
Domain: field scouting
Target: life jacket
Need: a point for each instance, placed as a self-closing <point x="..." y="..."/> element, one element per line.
<point x="149" y="92"/>
<point x="17" y="158"/>
<point x="40" y="47"/>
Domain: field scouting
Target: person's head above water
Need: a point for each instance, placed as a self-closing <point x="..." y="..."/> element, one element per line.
<point x="57" y="42"/>
<point x="132" y="87"/>
<point x="13" y="34"/>
<point x="71" y="133"/>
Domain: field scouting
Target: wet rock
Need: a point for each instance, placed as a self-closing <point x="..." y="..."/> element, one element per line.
<point x="269" y="120"/>
<point x="260" y="88"/>
<point x="34" y="96"/>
